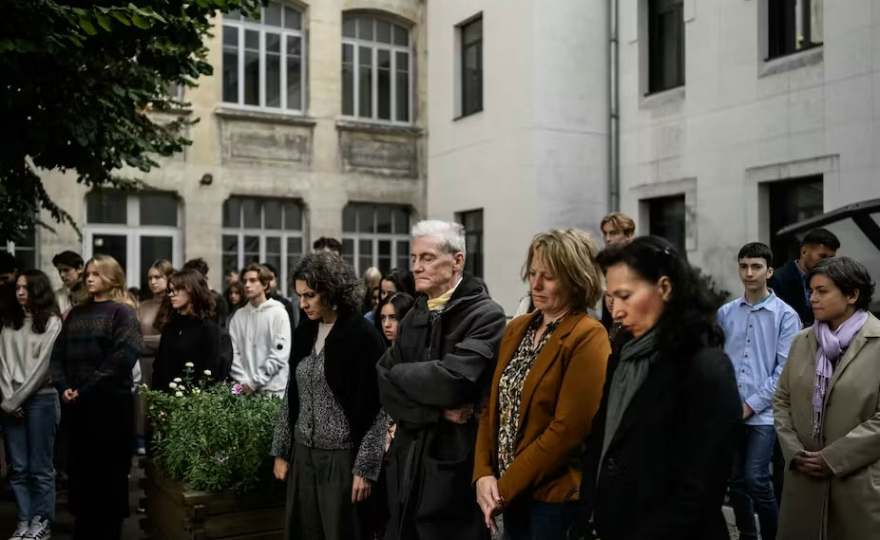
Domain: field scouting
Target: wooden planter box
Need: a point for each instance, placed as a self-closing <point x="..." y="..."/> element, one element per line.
<point x="174" y="512"/>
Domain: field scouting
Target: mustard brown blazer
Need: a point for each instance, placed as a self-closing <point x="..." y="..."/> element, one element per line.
<point x="560" y="396"/>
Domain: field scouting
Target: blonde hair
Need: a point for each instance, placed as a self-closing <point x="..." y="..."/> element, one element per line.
<point x="570" y="255"/>
<point x="112" y="274"/>
<point x="372" y="277"/>
<point x="621" y="222"/>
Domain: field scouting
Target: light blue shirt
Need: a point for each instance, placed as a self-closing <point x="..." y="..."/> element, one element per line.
<point x="758" y="338"/>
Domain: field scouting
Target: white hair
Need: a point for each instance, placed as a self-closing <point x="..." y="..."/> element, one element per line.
<point x="449" y="235"/>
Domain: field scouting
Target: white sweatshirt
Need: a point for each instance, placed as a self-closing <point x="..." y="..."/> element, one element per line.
<point x="24" y="362"/>
<point x="261" y="347"/>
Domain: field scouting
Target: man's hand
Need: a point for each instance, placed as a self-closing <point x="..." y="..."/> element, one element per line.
<point x="281" y="467"/>
<point x="747" y="411"/>
<point x="360" y="489"/>
<point x="812" y="464"/>
<point x="69" y="396"/>
<point x="248" y="391"/>
<point x="17" y="413"/>
<point x="489" y="500"/>
<point x="462" y="415"/>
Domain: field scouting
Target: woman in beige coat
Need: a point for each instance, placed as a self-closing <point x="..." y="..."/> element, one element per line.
<point x="827" y="412"/>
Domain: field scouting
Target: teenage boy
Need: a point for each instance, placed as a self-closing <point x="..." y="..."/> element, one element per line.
<point x="790" y="281"/>
<point x="70" y="268"/>
<point x="260" y="333"/>
<point x="759" y="328"/>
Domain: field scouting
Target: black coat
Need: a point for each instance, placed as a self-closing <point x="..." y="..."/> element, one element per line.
<point x="665" y="473"/>
<point x="788" y="284"/>
<point x="350" y="353"/>
<point x="186" y="339"/>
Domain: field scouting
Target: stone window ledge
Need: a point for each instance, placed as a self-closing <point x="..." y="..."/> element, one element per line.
<point x="370" y="127"/>
<point x="658" y="99"/>
<point x="809" y="57"/>
<point x="264" y="116"/>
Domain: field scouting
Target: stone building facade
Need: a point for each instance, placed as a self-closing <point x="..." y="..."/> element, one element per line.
<point x="312" y="125"/>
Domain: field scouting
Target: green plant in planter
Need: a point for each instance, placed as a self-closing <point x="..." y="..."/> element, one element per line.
<point x="214" y="438"/>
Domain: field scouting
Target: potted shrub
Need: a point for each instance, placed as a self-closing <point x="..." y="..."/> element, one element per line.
<point x="209" y="473"/>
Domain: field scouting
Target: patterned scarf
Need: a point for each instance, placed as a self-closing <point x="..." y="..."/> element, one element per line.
<point x="831" y="347"/>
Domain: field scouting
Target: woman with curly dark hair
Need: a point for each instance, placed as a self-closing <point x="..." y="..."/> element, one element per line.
<point x="330" y="435"/>
<point x="30" y="402"/>
<point x="659" y="455"/>
<point x="190" y="335"/>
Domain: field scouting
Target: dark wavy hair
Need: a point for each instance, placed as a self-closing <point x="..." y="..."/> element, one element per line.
<point x="688" y="321"/>
<point x="848" y="275"/>
<point x="403" y="281"/>
<point x="238" y="287"/>
<point x="41" y="302"/>
<point x="402" y="303"/>
<point x="327" y="273"/>
<point x="200" y="297"/>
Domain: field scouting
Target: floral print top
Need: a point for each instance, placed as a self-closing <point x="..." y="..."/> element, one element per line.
<point x="510" y="390"/>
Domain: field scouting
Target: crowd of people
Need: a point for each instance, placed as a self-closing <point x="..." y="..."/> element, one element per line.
<point x="621" y="402"/>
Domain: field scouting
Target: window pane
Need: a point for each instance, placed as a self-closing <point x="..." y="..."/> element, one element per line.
<point x="365" y="255"/>
<point x="251" y="249"/>
<point x="232" y="212"/>
<point x="252" y="68"/>
<point x="230" y="243"/>
<point x="292" y="18"/>
<point x="384" y="261"/>
<point x="383" y="31"/>
<point x="348" y="79"/>
<point x="472" y="79"/>
<point x="383" y="219"/>
<point x="272" y="215"/>
<point x="252" y="218"/>
<point x="348" y="250"/>
<point x="384" y="83"/>
<point x="107" y="206"/>
<point x="230" y="64"/>
<point x="365" y="28"/>
<point x="233" y="15"/>
<point x="348" y="27"/>
<point x="273" y="70"/>
<point x="403" y="260"/>
<point x="472" y="32"/>
<point x="666" y="218"/>
<point x="401" y="36"/>
<point x="114" y="245"/>
<point x="272" y="14"/>
<point x="403" y="90"/>
<point x="152" y="249"/>
<point x="365" y="74"/>
<point x="349" y="218"/>
<point x="273" y="246"/>
<point x="401" y="222"/>
<point x="365" y="219"/>
<point x="158" y="209"/>
<point x="294" y="254"/>
<point x="294" y="73"/>
<point x="292" y="217"/>
<point x="27" y="257"/>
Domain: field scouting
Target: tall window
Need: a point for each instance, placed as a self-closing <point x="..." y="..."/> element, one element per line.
<point x="262" y="231"/>
<point x="472" y="67"/>
<point x="25" y="250"/>
<point x="665" y="44"/>
<point x="376" y="235"/>
<point x="473" y="228"/>
<point x="376" y="69"/>
<point x="666" y="218"/>
<point x="793" y="25"/>
<point x="263" y="59"/>
<point x="792" y="201"/>
<point x="136" y="229"/>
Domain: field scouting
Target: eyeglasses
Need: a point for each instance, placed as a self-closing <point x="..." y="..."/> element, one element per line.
<point x="171" y="291"/>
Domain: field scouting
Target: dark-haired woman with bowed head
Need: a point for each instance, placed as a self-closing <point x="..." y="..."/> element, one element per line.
<point x="659" y="455"/>
<point x="190" y="335"/>
<point x="329" y="439"/>
<point x="397" y="281"/>
<point x="827" y="411"/>
<point x="30" y="403"/>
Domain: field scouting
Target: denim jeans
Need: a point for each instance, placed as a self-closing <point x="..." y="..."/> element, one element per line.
<point x="30" y="445"/>
<point x="538" y="520"/>
<point x="751" y="490"/>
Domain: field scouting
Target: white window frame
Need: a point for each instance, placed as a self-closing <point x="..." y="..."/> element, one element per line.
<point x="356" y="43"/>
<point x="11" y="248"/>
<point x="282" y="280"/>
<point x="246" y="23"/>
<point x="375" y="238"/>
<point x="133" y="231"/>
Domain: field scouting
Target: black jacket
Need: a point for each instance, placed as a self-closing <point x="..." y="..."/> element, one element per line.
<point x="788" y="284"/>
<point x="350" y="353"/>
<point x="221" y="310"/>
<point x="665" y="473"/>
<point x="438" y="362"/>
<point x="186" y="339"/>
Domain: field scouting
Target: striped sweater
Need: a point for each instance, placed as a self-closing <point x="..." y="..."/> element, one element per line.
<point x="99" y="344"/>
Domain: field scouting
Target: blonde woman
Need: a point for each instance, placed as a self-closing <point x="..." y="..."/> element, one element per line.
<point x="91" y="366"/>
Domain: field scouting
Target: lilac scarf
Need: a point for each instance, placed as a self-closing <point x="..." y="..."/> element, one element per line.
<point x="831" y="347"/>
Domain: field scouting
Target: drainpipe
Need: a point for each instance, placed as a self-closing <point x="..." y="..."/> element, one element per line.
<point x="613" y="108"/>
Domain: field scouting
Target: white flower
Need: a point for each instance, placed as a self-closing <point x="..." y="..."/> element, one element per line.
<point x="179" y="394"/>
<point x="189" y="364"/>
<point x="196" y="391"/>
<point x="172" y="385"/>
<point x="207" y="372"/>
<point x="178" y="380"/>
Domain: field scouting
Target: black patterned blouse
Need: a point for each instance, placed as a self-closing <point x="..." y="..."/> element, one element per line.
<point x="510" y="390"/>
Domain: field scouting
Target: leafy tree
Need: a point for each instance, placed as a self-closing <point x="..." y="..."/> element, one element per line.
<point x="78" y="79"/>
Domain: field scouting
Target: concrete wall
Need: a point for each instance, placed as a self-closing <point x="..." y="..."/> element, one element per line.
<point x="320" y="158"/>
<point x="741" y="121"/>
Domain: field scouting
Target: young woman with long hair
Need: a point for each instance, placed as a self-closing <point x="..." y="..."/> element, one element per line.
<point x="91" y="366"/>
<point x="392" y="309"/>
<point x="235" y="297"/>
<point x="191" y="334"/>
<point x="30" y="402"/>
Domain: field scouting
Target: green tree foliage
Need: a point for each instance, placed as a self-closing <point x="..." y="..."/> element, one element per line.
<point x="78" y="80"/>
